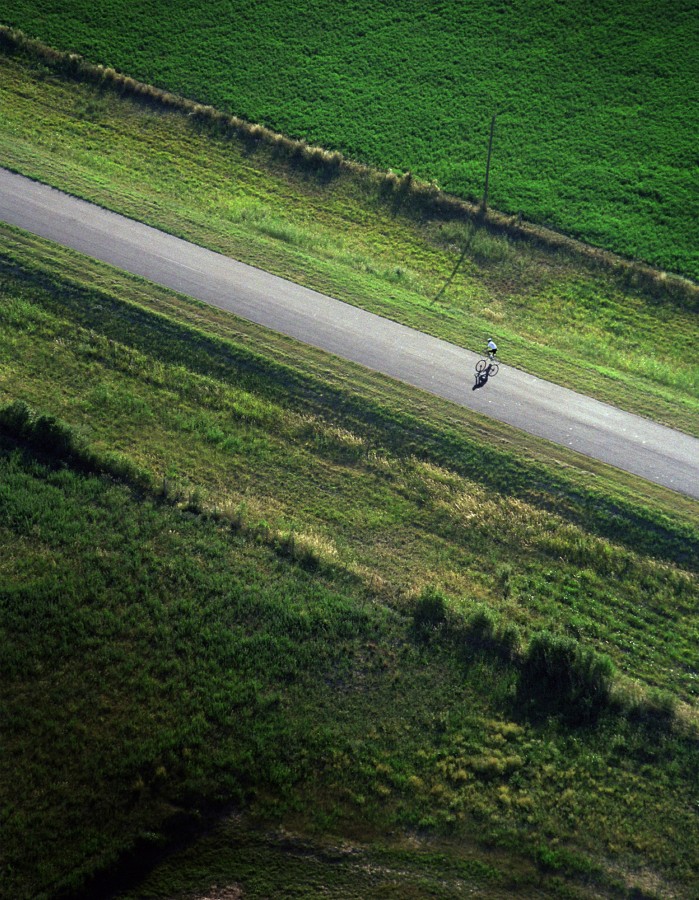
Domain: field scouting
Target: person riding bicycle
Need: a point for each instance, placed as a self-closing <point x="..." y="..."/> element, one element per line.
<point x="492" y="348"/>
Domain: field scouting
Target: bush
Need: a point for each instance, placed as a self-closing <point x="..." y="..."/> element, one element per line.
<point x="560" y="675"/>
<point x="509" y="642"/>
<point x="430" y="612"/>
<point x="483" y="633"/>
<point x="46" y="434"/>
<point x="42" y="432"/>
<point x="480" y="629"/>
<point x="15" y="419"/>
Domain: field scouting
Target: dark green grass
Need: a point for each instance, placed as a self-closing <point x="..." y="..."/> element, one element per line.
<point x="595" y="115"/>
<point x="141" y="652"/>
<point x="161" y="663"/>
<point x="206" y="596"/>
<point x="276" y="863"/>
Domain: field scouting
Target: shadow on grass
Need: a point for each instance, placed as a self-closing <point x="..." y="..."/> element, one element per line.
<point x="385" y="424"/>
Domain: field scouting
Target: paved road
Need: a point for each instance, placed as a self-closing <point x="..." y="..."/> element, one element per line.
<point x="539" y="407"/>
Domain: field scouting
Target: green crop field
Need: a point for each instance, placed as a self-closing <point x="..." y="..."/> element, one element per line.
<point x="596" y="103"/>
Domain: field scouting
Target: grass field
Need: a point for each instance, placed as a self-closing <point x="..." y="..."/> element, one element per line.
<point x="269" y="606"/>
<point x="595" y="131"/>
<point x="587" y="328"/>
<point x="208" y="598"/>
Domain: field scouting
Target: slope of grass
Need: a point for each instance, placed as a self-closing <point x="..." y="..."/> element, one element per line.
<point x="595" y="130"/>
<point x="208" y="584"/>
<point x="346" y="236"/>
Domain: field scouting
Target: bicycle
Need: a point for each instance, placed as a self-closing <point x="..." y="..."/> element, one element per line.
<point x="487" y="367"/>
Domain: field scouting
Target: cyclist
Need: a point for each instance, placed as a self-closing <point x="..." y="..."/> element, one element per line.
<point x="492" y="348"/>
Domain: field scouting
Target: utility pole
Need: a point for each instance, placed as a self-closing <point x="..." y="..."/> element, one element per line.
<point x="487" y="165"/>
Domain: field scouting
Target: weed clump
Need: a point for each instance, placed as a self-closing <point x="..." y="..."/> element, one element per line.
<point x="430" y="612"/>
<point x="484" y="634"/>
<point x="559" y="675"/>
<point x="44" y="433"/>
<point x="655" y="709"/>
<point x="50" y="436"/>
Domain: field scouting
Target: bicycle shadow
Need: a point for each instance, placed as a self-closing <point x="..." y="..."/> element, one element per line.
<point x="482" y="378"/>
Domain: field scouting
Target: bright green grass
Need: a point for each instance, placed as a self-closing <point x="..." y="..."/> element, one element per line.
<point x="550" y="316"/>
<point x="251" y="642"/>
<point x="596" y="126"/>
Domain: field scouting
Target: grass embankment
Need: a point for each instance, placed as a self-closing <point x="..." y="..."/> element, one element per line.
<point x="595" y="134"/>
<point x="364" y="239"/>
<point x="210" y="581"/>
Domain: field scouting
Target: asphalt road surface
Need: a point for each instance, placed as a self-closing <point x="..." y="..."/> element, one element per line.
<point x="595" y="429"/>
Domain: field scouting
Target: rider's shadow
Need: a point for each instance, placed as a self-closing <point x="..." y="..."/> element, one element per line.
<point x="481" y="378"/>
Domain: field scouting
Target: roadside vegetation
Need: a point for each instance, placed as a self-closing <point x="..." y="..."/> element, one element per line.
<point x="246" y="582"/>
<point x="595" y="131"/>
<point x="380" y="242"/>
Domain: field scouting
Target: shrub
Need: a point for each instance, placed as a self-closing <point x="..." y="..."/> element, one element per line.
<point x="15" y="419"/>
<point x="430" y="612"/>
<point x="509" y="642"/>
<point x="484" y="634"/>
<point x="480" y="629"/>
<point x="43" y="432"/>
<point x="53" y="437"/>
<point x="56" y="438"/>
<point x="560" y="675"/>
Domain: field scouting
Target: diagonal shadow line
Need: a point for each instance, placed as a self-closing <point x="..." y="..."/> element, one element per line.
<point x="456" y="268"/>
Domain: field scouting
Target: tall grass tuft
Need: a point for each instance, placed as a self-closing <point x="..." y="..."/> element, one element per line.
<point x="559" y="675"/>
<point x="430" y="612"/>
<point x="50" y="436"/>
<point x="484" y="634"/>
<point x="44" y="433"/>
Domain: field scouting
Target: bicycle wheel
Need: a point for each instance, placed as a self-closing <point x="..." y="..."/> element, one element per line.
<point x="480" y="365"/>
<point x="493" y="369"/>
